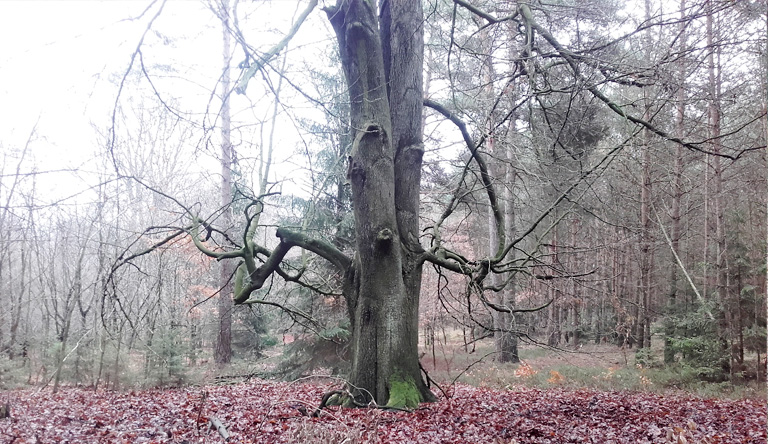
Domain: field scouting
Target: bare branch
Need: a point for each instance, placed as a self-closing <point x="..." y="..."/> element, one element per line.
<point x="681" y="265"/>
<point x="479" y="12"/>
<point x="484" y="174"/>
<point x="573" y="61"/>
<point x="266" y="57"/>
<point x="113" y="129"/>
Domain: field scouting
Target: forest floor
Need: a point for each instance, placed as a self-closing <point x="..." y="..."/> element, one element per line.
<point x="261" y="411"/>
<point x="596" y="395"/>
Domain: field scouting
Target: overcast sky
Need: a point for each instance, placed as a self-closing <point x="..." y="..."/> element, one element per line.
<point x="61" y="62"/>
<point x="53" y="60"/>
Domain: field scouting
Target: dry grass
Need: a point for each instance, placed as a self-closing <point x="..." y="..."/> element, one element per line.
<point x="593" y="366"/>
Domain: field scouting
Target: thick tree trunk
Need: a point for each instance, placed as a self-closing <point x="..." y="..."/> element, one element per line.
<point x="402" y="37"/>
<point x="383" y="71"/>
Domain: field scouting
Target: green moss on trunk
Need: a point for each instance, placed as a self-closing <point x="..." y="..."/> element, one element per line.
<point x="403" y="393"/>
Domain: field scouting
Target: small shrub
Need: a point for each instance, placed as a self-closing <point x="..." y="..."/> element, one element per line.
<point x="524" y="371"/>
<point x="555" y="378"/>
<point x="308" y="353"/>
<point x="166" y="359"/>
<point x="12" y="374"/>
<point x="268" y="341"/>
<point x="646" y="358"/>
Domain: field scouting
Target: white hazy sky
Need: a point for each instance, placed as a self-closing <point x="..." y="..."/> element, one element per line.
<point x="61" y="62"/>
<point x="53" y="61"/>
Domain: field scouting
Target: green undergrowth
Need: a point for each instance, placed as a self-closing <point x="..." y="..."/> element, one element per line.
<point x="605" y="369"/>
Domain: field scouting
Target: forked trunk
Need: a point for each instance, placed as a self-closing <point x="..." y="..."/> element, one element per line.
<point x="383" y="70"/>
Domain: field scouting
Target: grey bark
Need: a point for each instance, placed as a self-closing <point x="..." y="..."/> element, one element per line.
<point x="677" y="195"/>
<point x="384" y="74"/>
<point x="506" y="340"/>
<point x="223" y="352"/>
<point x="721" y="264"/>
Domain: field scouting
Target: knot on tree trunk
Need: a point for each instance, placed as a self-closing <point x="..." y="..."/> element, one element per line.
<point x="384" y="239"/>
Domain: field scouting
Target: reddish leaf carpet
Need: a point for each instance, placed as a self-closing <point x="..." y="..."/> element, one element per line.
<point x="269" y="412"/>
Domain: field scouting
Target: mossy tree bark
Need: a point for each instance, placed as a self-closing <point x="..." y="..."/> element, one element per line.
<point x="382" y="58"/>
<point x="382" y="61"/>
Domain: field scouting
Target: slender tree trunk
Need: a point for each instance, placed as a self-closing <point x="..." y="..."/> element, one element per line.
<point x="504" y="342"/>
<point x="17" y="302"/>
<point x="116" y="363"/>
<point x="508" y="342"/>
<point x="721" y="269"/>
<point x="638" y="315"/>
<point x="646" y="252"/>
<point x="223" y="352"/>
<point x="677" y="195"/>
<point x="629" y="288"/>
<point x="575" y="291"/>
<point x="765" y="131"/>
<point x="71" y="299"/>
<point x="555" y="316"/>
<point x="60" y="355"/>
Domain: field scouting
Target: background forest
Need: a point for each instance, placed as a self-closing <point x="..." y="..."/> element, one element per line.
<point x="640" y="220"/>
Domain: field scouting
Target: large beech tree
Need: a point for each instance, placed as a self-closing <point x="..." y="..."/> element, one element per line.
<point x="544" y="95"/>
<point x="381" y="51"/>
<point x="383" y="62"/>
<point x="382" y="57"/>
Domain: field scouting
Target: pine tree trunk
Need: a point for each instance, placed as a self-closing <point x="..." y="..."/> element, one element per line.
<point x="507" y="343"/>
<point x="555" y="316"/>
<point x="677" y="195"/>
<point x="721" y="269"/>
<point x="223" y="352"/>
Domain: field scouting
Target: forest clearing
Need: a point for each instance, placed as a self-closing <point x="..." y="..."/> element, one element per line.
<point x="454" y="221"/>
<point x="502" y="406"/>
